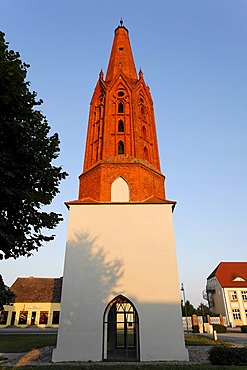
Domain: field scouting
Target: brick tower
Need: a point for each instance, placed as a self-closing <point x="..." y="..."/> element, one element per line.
<point x="120" y="299"/>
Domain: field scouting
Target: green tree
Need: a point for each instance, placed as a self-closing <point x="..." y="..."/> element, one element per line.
<point x="202" y="310"/>
<point x="188" y="309"/>
<point x="28" y="179"/>
<point x="6" y="296"/>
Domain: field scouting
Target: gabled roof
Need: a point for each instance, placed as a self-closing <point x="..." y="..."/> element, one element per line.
<point x="33" y="289"/>
<point x="231" y="274"/>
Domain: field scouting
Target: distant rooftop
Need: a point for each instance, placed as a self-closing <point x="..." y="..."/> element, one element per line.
<point x="231" y="274"/>
<point x="34" y="289"/>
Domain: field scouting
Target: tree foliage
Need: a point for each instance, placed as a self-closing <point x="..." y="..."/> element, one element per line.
<point x="6" y="296"/>
<point x="28" y="179"/>
<point x="201" y="310"/>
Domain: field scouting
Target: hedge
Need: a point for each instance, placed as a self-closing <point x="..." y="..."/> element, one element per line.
<point x="219" y="328"/>
<point x="244" y="329"/>
<point x="228" y="356"/>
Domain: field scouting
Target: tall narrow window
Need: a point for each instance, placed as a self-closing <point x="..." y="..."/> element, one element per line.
<point x="236" y="314"/>
<point x="3" y="317"/>
<point x="120" y="107"/>
<point x="43" y="318"/>
<point x="120" y="147"/>
<point x="97" y="152"/>
<point x="23" y="318"/>
<point x="145" y="153"/>
<point x="120" y="126"/>
<point x="55" y="317"/>
<point x="144" y="132"/>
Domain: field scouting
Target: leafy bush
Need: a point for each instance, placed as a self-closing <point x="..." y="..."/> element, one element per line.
<point x="228" y="356"/>
<point x="219" y="328"/>
<point x="244" y="329"/>
<point x="195" y="328"/>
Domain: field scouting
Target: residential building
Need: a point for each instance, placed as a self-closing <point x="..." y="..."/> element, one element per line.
<point x="227" y="292"/>
<point x="36" y="302"/>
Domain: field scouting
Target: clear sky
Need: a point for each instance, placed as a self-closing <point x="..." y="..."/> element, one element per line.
<point x="194" y="58"/>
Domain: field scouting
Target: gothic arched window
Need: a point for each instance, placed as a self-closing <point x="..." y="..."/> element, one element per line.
<point x="144" y="132"/>
<point x="120" y="107"/>
<point x="120" y="126"/>
<point x="120" y="147"/>
<point x="97" y="152"/>
<point x="121" y="331"/>
<point x="145" y="153"/>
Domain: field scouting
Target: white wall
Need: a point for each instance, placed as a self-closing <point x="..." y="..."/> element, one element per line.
<point x="124" y="249"/>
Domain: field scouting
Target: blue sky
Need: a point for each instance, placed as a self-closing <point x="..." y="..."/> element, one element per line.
<point x="194" y="58"/>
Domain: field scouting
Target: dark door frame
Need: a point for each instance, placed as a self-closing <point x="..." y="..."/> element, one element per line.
<point x="121" y="331"/>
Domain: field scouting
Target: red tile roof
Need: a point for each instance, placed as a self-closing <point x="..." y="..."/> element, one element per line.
<point x="226" y="272"/>
<point x="35" y="289"/>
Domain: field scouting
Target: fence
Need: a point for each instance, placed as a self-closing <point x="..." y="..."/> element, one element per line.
<point x="187" y="321"/>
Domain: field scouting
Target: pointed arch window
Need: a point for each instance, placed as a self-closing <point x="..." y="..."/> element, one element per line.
<point x="120" y="107"/>
<point x="145" y="153"/>
<point x="97" y="152"/>
<point x="120" y="126"/>
<point x="120" y="147"/>
<point x="121" y="331"/>
<point x="144" y="132"/>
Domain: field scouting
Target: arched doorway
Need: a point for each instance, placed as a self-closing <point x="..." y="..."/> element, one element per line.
<point x="121" y="331"/>
<point x="120" y="191"/>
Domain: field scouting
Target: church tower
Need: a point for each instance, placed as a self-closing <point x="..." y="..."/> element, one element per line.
<point x="121" y="299"/>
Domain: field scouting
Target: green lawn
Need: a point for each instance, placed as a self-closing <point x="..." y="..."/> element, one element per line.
<point x="125" y="367"/>
<point x="201" y="340"/>
<point x="10" y="343"/>
<point x="27" y="342"/>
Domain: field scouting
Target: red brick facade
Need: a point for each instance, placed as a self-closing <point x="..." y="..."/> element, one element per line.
<point x="121" y="138"/>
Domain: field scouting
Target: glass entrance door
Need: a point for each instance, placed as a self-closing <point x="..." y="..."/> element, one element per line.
<point x="121" y="331"/>
<point x="33" y="317"/>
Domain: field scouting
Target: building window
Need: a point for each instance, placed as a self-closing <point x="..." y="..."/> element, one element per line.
<point x="97" y="152"/>
<point x="236" y="314"/>
<point x="144" y="132"/>
<point x="121" y="331"/>
<point x="3" y="317"/>
<point x="120" y="147"/>
<point x="121" y="93"/>
<point x="23" y="318"/>
<point x="120" y="107"/>
<point x="120" y="126"/>
<point x="43" y="317"/>
<point x="55" y="317"/>
<point x="145" y="153"/>
<point x="233" y="295"/>
<point x="244" y="295"/>
<point x="246" y="313"/>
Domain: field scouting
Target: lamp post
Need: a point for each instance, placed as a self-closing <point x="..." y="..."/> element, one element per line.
<point x="185" y="309"/>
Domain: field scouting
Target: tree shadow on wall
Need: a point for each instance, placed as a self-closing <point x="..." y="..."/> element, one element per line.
<point x="90" y="277"/>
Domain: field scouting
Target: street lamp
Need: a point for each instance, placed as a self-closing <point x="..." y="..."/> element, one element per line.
<point x="185" y="309"/>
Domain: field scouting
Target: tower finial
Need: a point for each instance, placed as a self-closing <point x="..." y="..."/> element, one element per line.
<point x="121" y="22"/>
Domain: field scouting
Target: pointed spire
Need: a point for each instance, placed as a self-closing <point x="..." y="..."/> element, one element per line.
<point x="121" y="58"/>
<point x="140" y="75"/>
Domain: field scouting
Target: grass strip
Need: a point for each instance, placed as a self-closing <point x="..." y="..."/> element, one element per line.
<point x="16" y="343"/>
<point x="141" y="366"/>
<point x="202" y="340"/>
